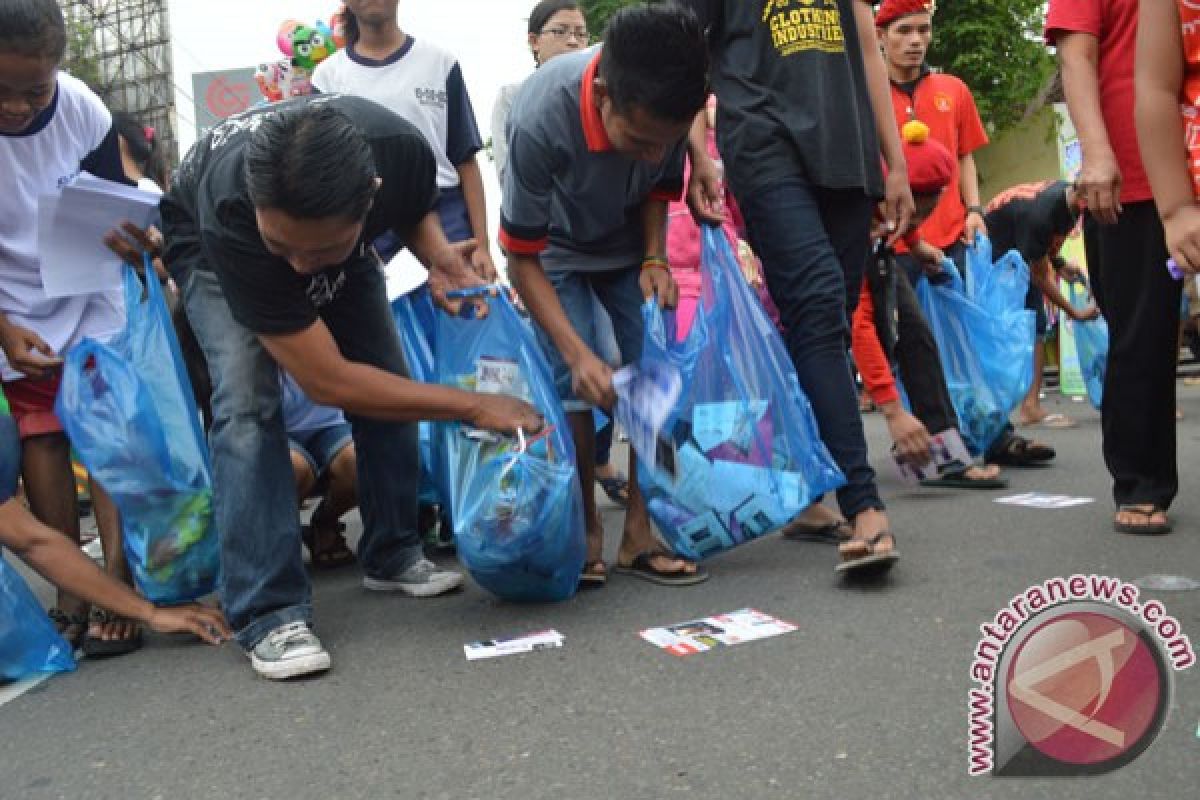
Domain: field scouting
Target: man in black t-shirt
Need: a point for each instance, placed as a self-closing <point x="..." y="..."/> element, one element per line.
<point x="1035" y="219"/>
<point x="266" y="228"/>
<point x="803" y="114"/>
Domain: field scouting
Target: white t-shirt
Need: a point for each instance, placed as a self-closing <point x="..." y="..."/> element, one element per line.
<point x="42" y="160"/>
<point x="421" y="83"/>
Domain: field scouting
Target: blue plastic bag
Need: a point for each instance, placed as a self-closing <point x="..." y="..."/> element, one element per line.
<point x="416" y="322"/>
<point x="738" y="454"/>
<point x="967" y="339"/>
<point x="1000" y="286"/>
<point x="128" y="409"/>
<point x="28" y="641"/>
<point x="515" y="502"/>
<point x="1091" y="344"/>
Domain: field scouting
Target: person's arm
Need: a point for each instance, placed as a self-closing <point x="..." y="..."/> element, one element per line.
<point x="1100" y="178"/>
<point x="448" y="264"/>
<point x="968" y="184"/>
<point x="1043" y="275"/>
<point x="1159" y="77"/>
<point x="312" y="357"/>
<point x="471" y="179"/>
<point x="591" y="378"/>
<point x="655" y="278"/>
<point x="909" y="435"/>
<point x="898" y="207"/>
<point x="63" y="564"/>
<point x="704" y="195"/>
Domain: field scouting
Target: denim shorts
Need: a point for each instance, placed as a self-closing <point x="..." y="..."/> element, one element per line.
<point x="10" y="457"/>
<point x="620" y="294"/>
<point x="321" y="446"/>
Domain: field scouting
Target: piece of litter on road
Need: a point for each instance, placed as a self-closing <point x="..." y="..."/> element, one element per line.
<point x="1045" y="501"/>
<point x="494" y="648"/>
<point x="722" y="630"/>
<point x="1167" y="583"/>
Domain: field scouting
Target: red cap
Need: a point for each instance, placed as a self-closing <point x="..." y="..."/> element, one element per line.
<point x="892" y="10"/>
<point x="930" y="164"/>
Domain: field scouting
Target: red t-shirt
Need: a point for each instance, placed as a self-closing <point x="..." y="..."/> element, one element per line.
<point x="945" y="104"/>
<point x="1114" y="24"/>
<point x="868" y="353"/>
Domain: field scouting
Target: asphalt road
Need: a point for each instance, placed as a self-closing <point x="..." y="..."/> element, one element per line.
<point x="867" y="699"/>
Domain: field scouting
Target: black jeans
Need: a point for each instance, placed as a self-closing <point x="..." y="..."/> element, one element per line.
<point x="1140" y="301"/>
<point x="813" y="243"/>
<point x="908" y="342"/>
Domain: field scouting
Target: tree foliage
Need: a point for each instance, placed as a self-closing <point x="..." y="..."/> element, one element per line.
<point x="996" y="47"/>
<point x="993" y="45"/>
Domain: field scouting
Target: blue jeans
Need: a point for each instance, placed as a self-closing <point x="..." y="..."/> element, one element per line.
<point x="813" y="243"/>
<point x="10" y="457"/>
<point x="583" y="295"/>
<point x="255" y="500"/>
<point x="320" y="446"/>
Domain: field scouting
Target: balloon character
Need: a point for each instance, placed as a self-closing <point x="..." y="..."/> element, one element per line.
<point x="311" y="46"/>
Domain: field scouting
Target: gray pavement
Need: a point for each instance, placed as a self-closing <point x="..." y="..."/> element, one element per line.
<point x="866" y="699"/>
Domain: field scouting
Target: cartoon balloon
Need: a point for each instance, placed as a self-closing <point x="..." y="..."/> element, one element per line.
<point x="284" y="37"/>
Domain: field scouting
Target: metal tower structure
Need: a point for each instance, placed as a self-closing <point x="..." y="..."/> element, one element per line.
<point x="125" y="45"/>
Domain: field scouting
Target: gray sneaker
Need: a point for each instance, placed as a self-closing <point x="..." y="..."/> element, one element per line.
<point x="422" y="579"/>
<point x="289" y="651"/>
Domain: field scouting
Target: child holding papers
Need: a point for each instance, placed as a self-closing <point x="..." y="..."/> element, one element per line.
<point x="52" y="127"/>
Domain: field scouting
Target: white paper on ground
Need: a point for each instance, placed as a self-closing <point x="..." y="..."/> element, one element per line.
<point x="494" y="648"/>
<point x="71" y="231"/>
<point x="403" y="274"/>
<point x="1044" y="501"/>
<point x="721" y="630"/>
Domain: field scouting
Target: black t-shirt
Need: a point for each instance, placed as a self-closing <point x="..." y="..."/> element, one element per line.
<point x="792" y="87"/>
<point x="209" y="221"/>
<point x="1031" y="219"/>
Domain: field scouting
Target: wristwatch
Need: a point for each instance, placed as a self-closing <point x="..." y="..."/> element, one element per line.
<point x="975" y="210"/>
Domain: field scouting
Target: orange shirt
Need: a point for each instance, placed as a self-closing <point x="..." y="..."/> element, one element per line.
<point x="945" y="104"/>
<point x="1189" y="18"/>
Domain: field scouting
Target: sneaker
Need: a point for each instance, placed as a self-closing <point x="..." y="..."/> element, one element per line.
<point x="289" y="651"/>
<point x="422" y="579"/>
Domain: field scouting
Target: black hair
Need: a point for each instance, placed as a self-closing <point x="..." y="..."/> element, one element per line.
<point x="33" y="28"/>
<point x="310" y="162"/>
<point x="349" y="25"/>
<point x="546" y="9"/>
<point x="655" y="58"/>
<point x="143" y="146"/>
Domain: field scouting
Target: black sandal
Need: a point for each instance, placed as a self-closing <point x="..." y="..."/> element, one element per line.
<point x="63" y="622"/>
<point x="593" y="578"/>
<point x="335" y="552"/>
<point x="617" y="489"/>
<point x="1017" y="451"/>
<point x="872" y="564"/>
<point x="1147" y="529"/>
<point x="643" y="567"/>
<point x="95" y="647"/>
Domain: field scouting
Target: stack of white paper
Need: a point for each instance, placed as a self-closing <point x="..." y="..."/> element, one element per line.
<point x="493" y="648"/>
<point x="71" y="230"/>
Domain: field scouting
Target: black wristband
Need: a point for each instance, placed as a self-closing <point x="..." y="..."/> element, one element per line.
<point x="975" y="210"/>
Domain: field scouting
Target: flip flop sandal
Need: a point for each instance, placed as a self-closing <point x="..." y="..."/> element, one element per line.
<point x="94" y="647"/>
<point x="617" y="489"/>
<point x="1053" y="422"/>
<point x="1017" y="451"/>
<point x="64" y="621"/>
<point x="871" y="565"/>
<point x="643" y="567"/>
<point x="1147" y="529"/>
<point x="829" y="533"/>
<point x="959" y="480"/>
<point x="335" y="553"/>
<point x="591" y="578"/>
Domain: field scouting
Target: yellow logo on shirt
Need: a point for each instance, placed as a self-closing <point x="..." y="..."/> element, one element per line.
<point x="799" y="26"/>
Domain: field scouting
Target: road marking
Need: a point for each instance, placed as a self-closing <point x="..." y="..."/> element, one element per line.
<point x="14" y="690"/>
